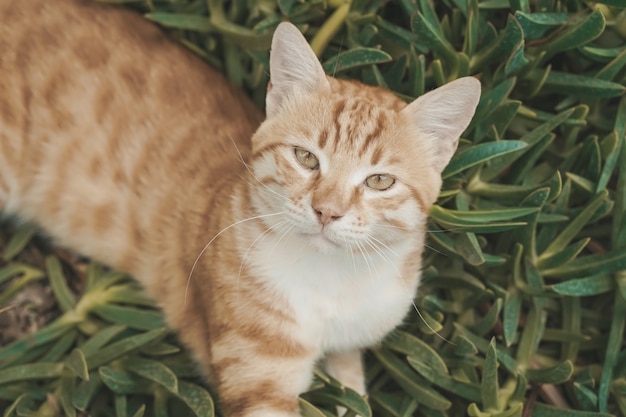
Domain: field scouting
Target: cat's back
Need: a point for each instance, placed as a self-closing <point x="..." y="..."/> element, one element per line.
<point x="76" y="76"/>
<point x="102" y="113"/>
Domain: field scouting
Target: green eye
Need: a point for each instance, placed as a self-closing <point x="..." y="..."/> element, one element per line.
<point x="380" y="182"/>
<point x="307" y="159"/>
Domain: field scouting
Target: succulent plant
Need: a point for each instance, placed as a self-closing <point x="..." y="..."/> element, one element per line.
<point x="523" y="302"/>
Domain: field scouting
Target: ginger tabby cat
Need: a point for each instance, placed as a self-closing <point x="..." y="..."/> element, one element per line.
<point x="124" y="146"/>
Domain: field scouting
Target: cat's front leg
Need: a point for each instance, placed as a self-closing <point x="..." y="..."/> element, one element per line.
<point x="257" y="379"/>
<point x="347" y="368"/>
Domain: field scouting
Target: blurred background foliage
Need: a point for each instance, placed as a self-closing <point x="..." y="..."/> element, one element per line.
<point x="523" y="302"/>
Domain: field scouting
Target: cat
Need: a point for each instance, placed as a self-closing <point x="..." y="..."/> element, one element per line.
<point x="271" y="244"/>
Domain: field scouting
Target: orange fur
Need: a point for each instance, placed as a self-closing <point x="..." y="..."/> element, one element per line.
<point x="124" y="146"/>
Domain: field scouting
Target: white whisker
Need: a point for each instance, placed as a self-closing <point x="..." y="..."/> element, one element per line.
<point x="245" y="164"/>
<point x="265" y="189"/>
<point x="393" y="252"/>
<point x="259" y="239"/>
<point x="428" y="325"/>
<point x="237" y="223"/>
<point x="351" y="250"/>
<point x="379" y="252"/>
<point x="433" y="249"/>
<point x="367" y="260"/>
<point x="282" y="236"/>
<point x="389" y="226"/>
<point x="386" y="259"/>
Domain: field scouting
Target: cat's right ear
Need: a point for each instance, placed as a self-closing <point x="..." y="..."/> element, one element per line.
<point x="294" y="69"/>
<point x="442" y="115"/>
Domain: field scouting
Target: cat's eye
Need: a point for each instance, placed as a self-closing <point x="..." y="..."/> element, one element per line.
<point x="306" y="158"/>
<point x="380" y="182"/>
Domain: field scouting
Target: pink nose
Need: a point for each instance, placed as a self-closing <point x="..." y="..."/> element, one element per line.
<point x="327" y="214"/>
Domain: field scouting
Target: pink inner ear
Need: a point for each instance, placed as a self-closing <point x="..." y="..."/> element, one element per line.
<point x="294" y="68"/>
<point x="443" y="114"/>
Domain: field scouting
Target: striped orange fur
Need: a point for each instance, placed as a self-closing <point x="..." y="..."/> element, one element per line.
<point x="270" y="245"/>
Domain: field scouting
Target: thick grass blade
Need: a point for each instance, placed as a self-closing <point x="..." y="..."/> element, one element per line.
<point x="554" y="375"/>
<point x="31" y="371"/>
<point x="86" y="391"/>
<point x="67" y="391"/>
<point x="511" y="315"/>
<point x="197" y="399"/>
<point x="406" y="378"/>
<point x="489" y="385"/>
<point x="585" y="287"/>
<point x="104" y="336"/>
<point x="604" y="263"/>
<point x="45" y="335"/>
<point x="77" y="364"/>
<point x="543" y="410"/>
<point x="416" y="349"/>
<point x="575" y="226"/>
<point x="124" y="346"/>
<point x="154" y="371"/>
<point x="122" y="382"/>
<point x="309" y="410"/>
<point x="465" y="390"/>
<point x="132" y="317"/>
<point x="59" y="284"/>
<point x="355" y="58"/>
<point x="348" y="399"/>
<point x="613" y="347"/>
<point x="22" y="236"/>
<point x="479" y="154"/>
<point x="181" y="21"/>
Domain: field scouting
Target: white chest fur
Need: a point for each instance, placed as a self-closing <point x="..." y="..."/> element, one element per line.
<point x="340" y="300"/>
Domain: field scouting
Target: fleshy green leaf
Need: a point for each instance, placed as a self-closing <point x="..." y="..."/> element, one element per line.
<point x="355" y="58"/>
<point x="124" y="346"/>
<point x="154" y="371"/>
<point x="406" y="378"/>
<point x="121" y="382"/>
<point x="349" y="399"/>
<point x="574" y="227"/>
<point x="196" y="398"/>
<point x="22" y="236"/>
<point x="31" y="371"/>
<point x="554" y="375"/>
<point x="130" y="316"/>
<point x="416" y="349"/>
<point x="77" y="364"/>
<point x="585" y="286"/>
<point x="489" y="385"/>
<point x="613" y="346"/>
<point x="479" y="154"/>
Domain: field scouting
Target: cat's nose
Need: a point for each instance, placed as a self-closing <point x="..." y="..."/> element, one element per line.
<point x="327" y="214"/>
<point x="326" y="217"/>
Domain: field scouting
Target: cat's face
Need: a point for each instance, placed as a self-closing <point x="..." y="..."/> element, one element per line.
<point x="345" y="169"/>
<point x="348" y="165"/>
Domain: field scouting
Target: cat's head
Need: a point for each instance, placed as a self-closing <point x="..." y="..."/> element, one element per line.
<point x="349" y="164"/>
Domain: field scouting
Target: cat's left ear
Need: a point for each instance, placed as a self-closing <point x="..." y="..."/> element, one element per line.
<point x="443" y="114"/>
<point x="294" y="69"/>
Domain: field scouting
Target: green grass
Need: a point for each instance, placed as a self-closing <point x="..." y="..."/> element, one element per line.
<point x="523" y="304"/>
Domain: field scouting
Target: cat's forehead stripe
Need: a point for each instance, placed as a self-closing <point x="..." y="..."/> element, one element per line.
<point x="323" y="139"/>
<point x="357" y="124"/>
<point x="376" y="155"/>
<point x="381" y="124"/>
<point x="336" y="116"/>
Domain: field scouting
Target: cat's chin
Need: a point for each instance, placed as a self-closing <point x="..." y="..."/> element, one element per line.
<point x="320" y="243"/>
